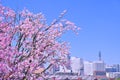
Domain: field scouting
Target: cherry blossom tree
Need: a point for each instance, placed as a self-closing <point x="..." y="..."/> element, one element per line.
<point x="28" y="46"/>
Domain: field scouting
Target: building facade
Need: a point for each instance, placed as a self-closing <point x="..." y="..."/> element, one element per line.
<point x="98" y="66"/>
<point x="88" y="68"/>
<point x="77" y="65"/>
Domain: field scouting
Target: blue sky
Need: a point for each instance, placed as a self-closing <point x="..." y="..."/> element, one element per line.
<point x="99" y="21"/>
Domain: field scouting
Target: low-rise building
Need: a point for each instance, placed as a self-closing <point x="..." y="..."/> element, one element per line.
<point x="113" y="74"/>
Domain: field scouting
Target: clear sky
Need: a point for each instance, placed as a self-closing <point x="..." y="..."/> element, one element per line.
<point x="99" y="21"/>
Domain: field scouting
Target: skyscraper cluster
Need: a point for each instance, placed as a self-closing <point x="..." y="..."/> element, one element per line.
<point x="86" y="69"/>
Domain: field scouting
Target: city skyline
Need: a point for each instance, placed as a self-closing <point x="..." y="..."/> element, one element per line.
<point x="98" y="20"/>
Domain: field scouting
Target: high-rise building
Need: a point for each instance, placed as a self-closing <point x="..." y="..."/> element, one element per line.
<point x="98" y="66"/>
<point x="88" y="68"/>
<point x="77" y="65"/>
<point x="99" y="69"/>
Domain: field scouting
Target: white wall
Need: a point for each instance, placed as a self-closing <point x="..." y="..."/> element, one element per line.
<point x="76" y="64"/>
<point x="98" y="66"/>
<point x="88" y="68"/>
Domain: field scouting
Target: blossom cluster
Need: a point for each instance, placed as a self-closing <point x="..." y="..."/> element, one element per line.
<point x="28" y="46"/>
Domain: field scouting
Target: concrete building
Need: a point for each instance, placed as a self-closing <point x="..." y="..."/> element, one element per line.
<point x="117" y="67"/>
<point x="88" y="68"/>
<point x="77" y="65"/>
<point x="110" y="69"/>
<point x="113" y="74"/>
<point x="99" y="70"/>
<point x="98" y="66"/>
<point x="113" y="71"/>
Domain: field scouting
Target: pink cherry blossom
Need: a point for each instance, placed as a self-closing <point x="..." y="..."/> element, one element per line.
<point x="28" y="46"/>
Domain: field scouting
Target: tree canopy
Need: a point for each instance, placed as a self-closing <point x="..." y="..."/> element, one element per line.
<point x="28" y="46"/>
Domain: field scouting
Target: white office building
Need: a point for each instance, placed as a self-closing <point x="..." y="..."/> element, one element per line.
<point x="98" y="66"/>
<point x="77" y="65"/>
<point x="88" y="68"/>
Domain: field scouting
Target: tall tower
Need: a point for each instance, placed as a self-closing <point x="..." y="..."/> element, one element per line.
<point x="100" y="56"/>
